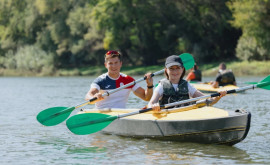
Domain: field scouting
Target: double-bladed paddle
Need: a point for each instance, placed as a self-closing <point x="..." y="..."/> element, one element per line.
<point x="55" y="115"/>
<point x="88" y="123"/>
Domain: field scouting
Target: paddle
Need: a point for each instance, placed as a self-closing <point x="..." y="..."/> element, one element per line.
<point x="55" y="115"/>
<point x="88" y="123"/>
<point x="264" y="84"/>
<point x="187" y="60"/>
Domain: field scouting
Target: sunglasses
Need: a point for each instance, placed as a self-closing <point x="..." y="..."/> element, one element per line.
<point x="112" y="53"/>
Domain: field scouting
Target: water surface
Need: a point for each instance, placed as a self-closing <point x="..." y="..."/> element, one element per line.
<point x="25" y="141"/>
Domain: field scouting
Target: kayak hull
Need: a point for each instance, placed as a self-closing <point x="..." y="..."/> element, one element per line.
<point x="206" y="88"/>
<point x="228" y="127"/>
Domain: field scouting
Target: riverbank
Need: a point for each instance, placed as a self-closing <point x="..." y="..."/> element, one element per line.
<point x="244" y="68"/>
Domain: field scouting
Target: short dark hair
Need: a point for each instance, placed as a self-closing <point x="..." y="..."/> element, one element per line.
<point x="222" y="66"/>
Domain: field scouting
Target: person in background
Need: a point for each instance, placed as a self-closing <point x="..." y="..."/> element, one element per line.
<point x="195" y="74"/>
<point x="224" y="77"/>
<point x="174" y="88"/>
<point x="114" y="79"/>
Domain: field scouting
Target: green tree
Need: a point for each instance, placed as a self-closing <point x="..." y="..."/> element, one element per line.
<point x="252" y="17"/>
<point x="78" y="32"/>
<point x="12" y="25"/>
<point x="143" y="29"/>
<point x="209" y="35"/>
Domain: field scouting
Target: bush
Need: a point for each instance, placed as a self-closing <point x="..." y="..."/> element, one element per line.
<point x="9" y="60"/>
<point x="248" y="49"/>
<point x="29" y="58"/>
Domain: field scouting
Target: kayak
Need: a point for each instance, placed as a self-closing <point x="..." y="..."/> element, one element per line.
<point x="206" y="125"/>
<point x="207" y="88"/>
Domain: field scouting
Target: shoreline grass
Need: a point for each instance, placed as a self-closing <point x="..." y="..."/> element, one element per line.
<point x="244" y="68"/>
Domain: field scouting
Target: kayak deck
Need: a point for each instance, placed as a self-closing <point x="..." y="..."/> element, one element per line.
<point x="195" y="114"/>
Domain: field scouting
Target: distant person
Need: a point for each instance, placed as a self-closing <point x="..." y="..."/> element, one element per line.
<point x="174" y="88"/>
<point x="114" y="79"/>
<point x="195" y="74"/>
<point x="224" y="77"/>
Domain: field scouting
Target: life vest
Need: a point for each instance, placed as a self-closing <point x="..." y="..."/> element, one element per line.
<point x="198" y="75"/>
<point x="171" y="95"/>
<point x="227" y="77"/>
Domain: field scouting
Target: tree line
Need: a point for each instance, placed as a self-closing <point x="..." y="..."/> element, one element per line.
<point x="38" y="34"/>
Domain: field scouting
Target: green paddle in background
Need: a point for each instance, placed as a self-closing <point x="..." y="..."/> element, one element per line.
<point x="88" y="123"/>
<point x="55" y="115"/>
<point x="251" y="82"/>
<point x="187" y="60"/>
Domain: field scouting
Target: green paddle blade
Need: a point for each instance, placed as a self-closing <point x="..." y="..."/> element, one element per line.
<point x="251" y="82"/>
<point x="195" y="82"/>
<point x="265" y="83"/>
<point x="88" y="123"/>
<point x="188" y="60"/>
<point x="55" y="115"/>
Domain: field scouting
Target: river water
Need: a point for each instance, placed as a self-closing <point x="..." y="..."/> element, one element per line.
<point x="25" y="141"/>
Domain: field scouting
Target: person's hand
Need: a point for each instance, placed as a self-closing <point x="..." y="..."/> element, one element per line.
<point x="222" y="93"/>
<point x="156" y="107"/>
<point x="149" y="79"/>
<point x="98" y="96"/>
<point x="216" y="99"/>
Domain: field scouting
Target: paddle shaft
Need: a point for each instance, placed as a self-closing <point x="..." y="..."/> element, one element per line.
<point x="195" y="99"/>
<point x="161" y="107"/>
<point x="199" y="103"/>
<point x="218" y="94"/>
<point x="187" y="59"/>
<point x="84" y="124"/>
<point x="111" y="118"/>
<point x="107" y="93"/>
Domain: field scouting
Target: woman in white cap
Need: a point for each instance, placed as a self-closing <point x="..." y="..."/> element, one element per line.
<point x="174" y="88"/>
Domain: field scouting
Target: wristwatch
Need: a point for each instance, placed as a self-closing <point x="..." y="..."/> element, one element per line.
<point x="149" y="87"/>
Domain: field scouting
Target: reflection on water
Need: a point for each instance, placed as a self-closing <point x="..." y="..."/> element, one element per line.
<point x="25" y="141"/>
<point x="114" y="148"/>
<point x="96" y="145"/>
<point x="193" y="152"/>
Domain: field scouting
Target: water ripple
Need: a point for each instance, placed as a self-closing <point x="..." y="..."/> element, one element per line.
<point x="25" y="141"/>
